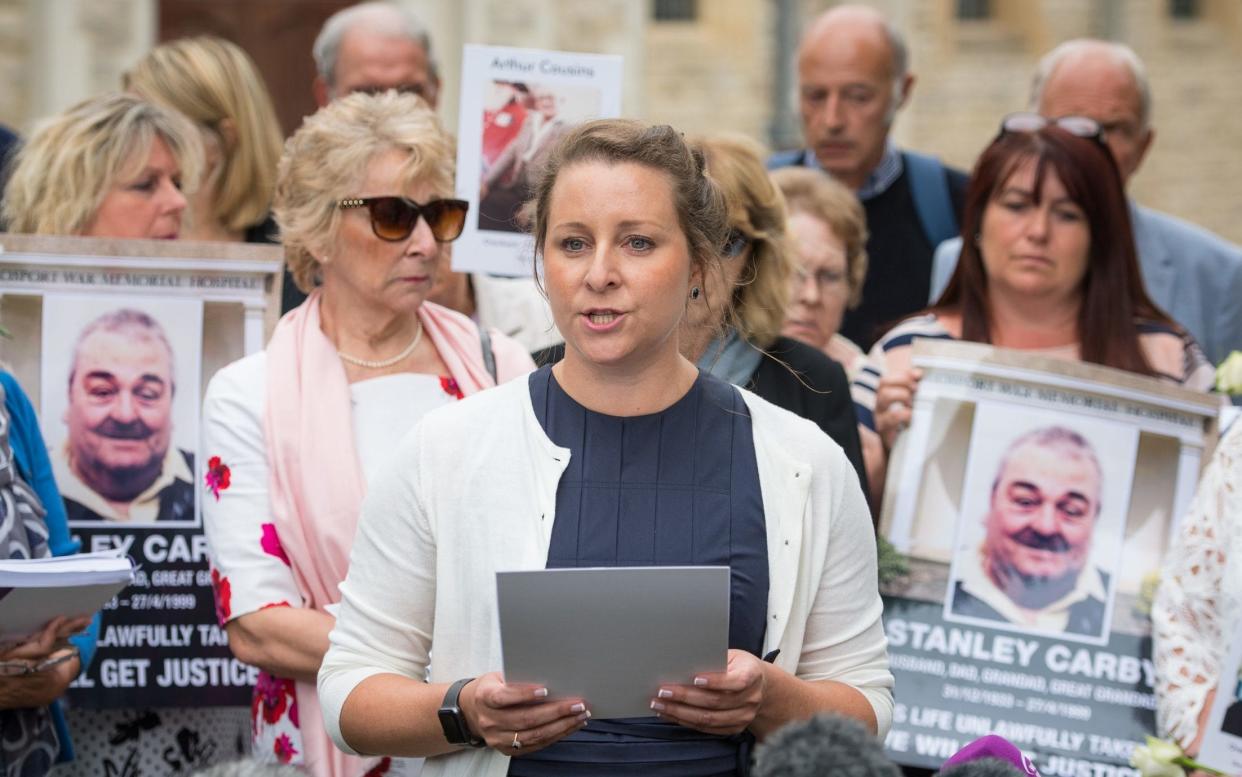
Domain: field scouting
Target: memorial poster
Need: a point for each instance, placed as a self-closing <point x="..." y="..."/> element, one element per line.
<point x="114" y="342"/>
<point x="1034" y="498"/>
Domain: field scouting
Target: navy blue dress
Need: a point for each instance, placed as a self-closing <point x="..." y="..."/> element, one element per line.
<point x="675" y="488"/>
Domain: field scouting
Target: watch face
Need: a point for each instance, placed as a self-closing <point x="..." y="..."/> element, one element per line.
<point x="453" y="725"/>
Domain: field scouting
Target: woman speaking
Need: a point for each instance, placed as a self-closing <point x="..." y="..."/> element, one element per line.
<point x="621" y="454"/>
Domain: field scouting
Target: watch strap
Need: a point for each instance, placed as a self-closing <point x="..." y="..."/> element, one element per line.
<point x="454" y="692"/>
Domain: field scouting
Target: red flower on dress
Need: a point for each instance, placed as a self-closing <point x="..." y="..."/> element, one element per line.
<point x="270" y="542"/>
<point x="223" y="594"/>
<point x="450" y="387"/>
<point x="272" y="697"/>
<point x="284" y="749"/>
<point x="275" y="604"/>
<point x="380" y="769"/>
<point x="218" y="476"/>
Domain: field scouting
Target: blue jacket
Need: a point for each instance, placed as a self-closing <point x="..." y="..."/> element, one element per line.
<point x="36" y="469"/>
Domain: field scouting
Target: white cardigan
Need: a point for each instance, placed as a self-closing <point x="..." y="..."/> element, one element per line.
<point x="471" y="491"/>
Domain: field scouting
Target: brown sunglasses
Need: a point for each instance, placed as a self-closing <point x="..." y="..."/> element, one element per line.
<point x="394" y="218"/>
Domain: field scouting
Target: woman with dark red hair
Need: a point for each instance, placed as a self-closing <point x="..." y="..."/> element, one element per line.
<point x="1048" y="265"/>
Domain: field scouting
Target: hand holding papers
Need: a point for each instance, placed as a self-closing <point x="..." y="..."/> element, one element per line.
<point x="612" y="636"/>
<point x="36" y="591"/>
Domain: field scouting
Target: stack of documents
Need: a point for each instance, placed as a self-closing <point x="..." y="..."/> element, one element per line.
<point x="34" y="591"/>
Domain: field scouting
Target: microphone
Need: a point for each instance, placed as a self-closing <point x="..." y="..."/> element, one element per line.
<point x="989" y="756"/>
<point x="825" y="744"/>
<point x="983" y="767"/>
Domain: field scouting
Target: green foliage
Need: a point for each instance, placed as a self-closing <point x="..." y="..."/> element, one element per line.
<point x="1147" y="594"/>
<point x="892" y="564"/>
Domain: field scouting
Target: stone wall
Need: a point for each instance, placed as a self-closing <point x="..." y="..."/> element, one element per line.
<point x="970" y="74"/>
<point x="54" y="53"/>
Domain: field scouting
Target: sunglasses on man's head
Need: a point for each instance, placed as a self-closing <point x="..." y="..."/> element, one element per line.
<point x="1079" y="126"/>
<point x="394" y="218"/>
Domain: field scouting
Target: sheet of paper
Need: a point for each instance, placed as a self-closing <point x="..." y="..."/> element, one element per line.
<point x="516" y="104"/>
<point x="612" y="636"/>
<point x="34" y="591"/>
<point x="106" y="566"/>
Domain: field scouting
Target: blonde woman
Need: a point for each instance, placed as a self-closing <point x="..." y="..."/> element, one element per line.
<point x="114" y="166"/>
<point x="111" y="166"/>
<point x="364" y="203"/>
<point x="216" y="85"/>
<point x="733" y="327"/>
<point x="829" y="231"/>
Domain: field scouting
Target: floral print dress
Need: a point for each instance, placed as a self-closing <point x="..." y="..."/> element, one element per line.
<point x="249" y="568"/>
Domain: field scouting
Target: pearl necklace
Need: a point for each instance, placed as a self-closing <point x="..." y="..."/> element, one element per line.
<point x="382" y="363"/>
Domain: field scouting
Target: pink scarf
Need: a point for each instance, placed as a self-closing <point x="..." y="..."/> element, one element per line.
<point x="316" y="482"/>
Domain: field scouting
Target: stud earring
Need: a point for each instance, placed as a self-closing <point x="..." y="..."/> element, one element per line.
<point x="694" y="292"/>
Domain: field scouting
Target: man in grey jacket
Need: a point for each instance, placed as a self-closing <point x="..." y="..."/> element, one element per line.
<point x="1194" y="275"/>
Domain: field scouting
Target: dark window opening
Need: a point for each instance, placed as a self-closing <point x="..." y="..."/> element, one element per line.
<point x="1185" y="9"/>
<point x="974" y="10"/>
<point x="676" y="10"/>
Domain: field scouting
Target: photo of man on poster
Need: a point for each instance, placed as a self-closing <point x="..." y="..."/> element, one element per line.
<point x="1034" y="567"/>
<point x="118" y="462"/>
<point x="509" y="178"/>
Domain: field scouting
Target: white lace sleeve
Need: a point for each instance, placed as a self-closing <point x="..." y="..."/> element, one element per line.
<point x="1197" y="602"/>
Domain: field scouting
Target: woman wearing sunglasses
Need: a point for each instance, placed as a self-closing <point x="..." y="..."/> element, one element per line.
<point x="293" y="435"/>
<point x="621" y="454"/>
<point x="1048" y="265"/>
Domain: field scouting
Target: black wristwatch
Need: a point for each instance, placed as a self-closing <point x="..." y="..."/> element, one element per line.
<point x="456" y="731"/>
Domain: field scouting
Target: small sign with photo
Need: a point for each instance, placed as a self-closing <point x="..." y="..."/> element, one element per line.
<point x="516" y="105"/>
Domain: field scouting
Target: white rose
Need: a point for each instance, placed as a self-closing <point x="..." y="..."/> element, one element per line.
<point x="1229" y="374"/>
<point x="1155" y="759"/>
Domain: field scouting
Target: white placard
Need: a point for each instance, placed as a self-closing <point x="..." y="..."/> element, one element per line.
<point x="515" y="105"/>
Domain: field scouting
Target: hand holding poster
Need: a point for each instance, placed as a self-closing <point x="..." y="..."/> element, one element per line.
<point x="1035" y="498"/>
<point x="516" y="105"/>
